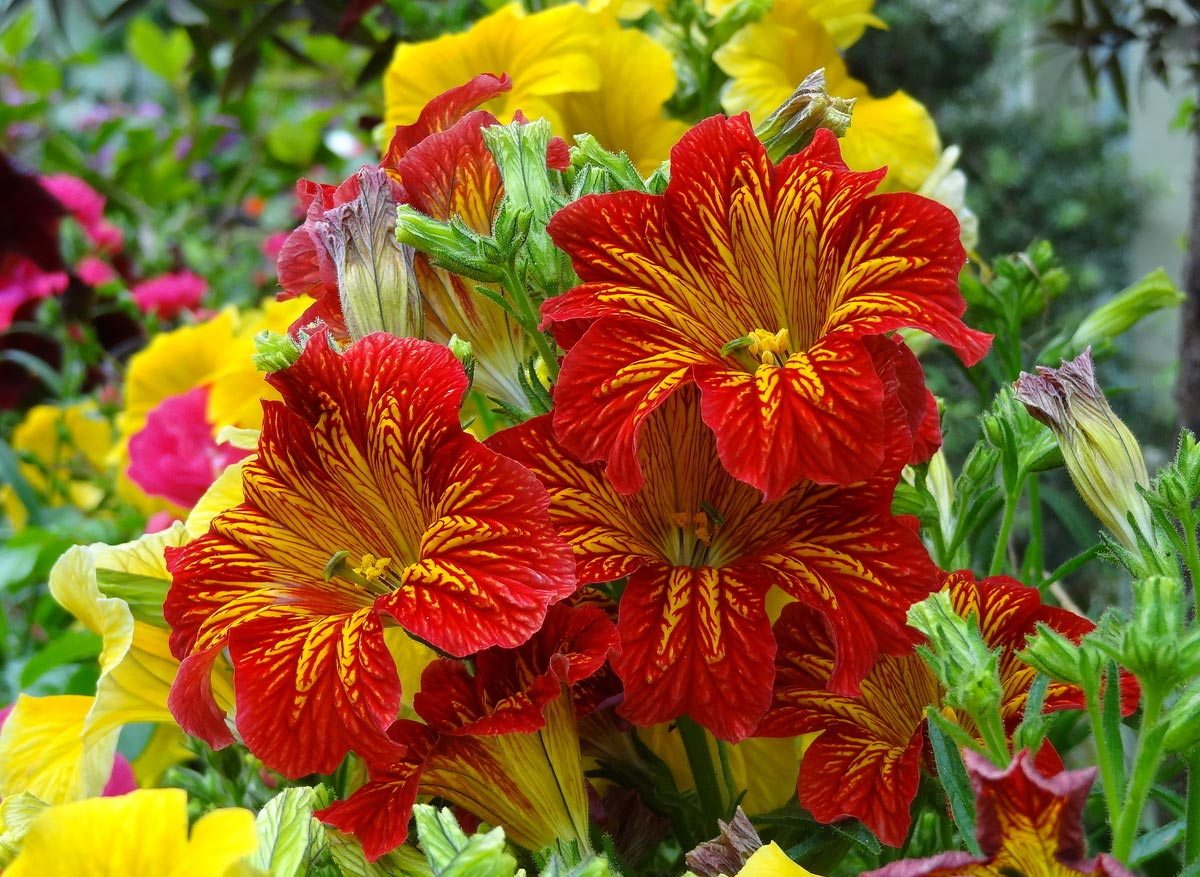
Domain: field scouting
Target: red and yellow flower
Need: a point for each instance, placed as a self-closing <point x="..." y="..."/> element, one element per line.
<point x="758" y="283"/>
<point x="701" y="552"/>
<point x="500" y="742"/>
<point x="367" y="508"/>
<point x="867" y="761"/>
<point x="1026" y="823"/>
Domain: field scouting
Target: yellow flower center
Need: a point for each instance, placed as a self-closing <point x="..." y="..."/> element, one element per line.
<point x="760" y="347"/>
<point x="694" y="535"/>
<point x="372" y="568"/>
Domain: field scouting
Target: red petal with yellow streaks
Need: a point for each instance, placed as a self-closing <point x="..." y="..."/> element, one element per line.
<point x="903" y="378"/>
<point x="867" y="762"/>
<point x="443" y="112"/>
<point x="734" y="247"/>
<point x="820" y="416"/>
<point x="378" y="813"/>
<point x="695" y="642"/>
<point x="365" y="457"/>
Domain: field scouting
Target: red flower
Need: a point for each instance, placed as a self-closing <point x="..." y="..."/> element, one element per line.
<point x="701" y="551"/>
<point x="363" y="460"/>
<point x="1026" y="823"/>
<point x="499" y="742"/>
<point x="867" y="762"/>
<point x="758" y="284"/>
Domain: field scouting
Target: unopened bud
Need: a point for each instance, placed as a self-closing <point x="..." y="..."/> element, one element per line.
<point x="1154" y="292"/>
<point x="274" y="351"/>
<point x="958" y="655"/>
<point x="376" y="285"/>
<point x="1049" y="652"/>
<point x="795" y="122"/>
<point x="1102" y="456"/>
<point x="1183" y="720"/>
<point x="450" y="245"/>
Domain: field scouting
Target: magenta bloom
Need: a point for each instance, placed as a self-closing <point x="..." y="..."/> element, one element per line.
<point x="95" y="272"/>
<point x="22" y="281"/>
<point x="174" y="456"/>
<point x="167" y="296"/>
<point x="86" y="205"/>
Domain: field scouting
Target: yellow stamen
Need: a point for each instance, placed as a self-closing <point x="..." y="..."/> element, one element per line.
<point x="372" y="568"/>
<point x="768" y="348"/>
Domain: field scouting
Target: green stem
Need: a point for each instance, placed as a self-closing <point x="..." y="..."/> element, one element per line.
<point x="992" y="730"/>
<point x="1035" y="562"/>
<point x="1192" y="556"/>
<point x="529" y="321"/>
<point x="1191" y="837"/>
<point x="1108" y="759"/>
<point x="1006" y="526"/>
<point x="704" y="774"/>
<point x="1145" y="771"/>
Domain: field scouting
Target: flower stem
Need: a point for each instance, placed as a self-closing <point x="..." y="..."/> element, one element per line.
<point x="992" y="729"/>
<point x="1145" y="771"/>
<point x="1191" y="838"/>
<point x="529" y="320"/>
<point x="704" y="774"/>
<point x="1006" y="526"/>
<point x="1108" y="759"/>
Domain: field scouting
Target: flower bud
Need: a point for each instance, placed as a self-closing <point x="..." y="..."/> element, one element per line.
<point x="793" y="124"/>
<point x="1102" y="456"/>
<point x="376" y="285"/>
<point x="274" y="351"/>
<point x="1049" y="652"/>
<point x="450" y="245"/>
<point x="957" y="654"/>
<point x="1183" y="720"/>
<point x="1154" y="292"/>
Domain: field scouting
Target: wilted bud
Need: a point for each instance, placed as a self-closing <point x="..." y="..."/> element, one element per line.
<point x="520" y="151"/>
<point x="450" y="245"/>
<point x="376" y="286"/>
<point x="1154" y="292"/>
<point x="728" y="851"/>
<point x="1049" y="652"/>
<point x="794" y="123"/>
<point x="274" y="351"/>
<point x="1103" y="457"/>
<point x="957" y="654"/>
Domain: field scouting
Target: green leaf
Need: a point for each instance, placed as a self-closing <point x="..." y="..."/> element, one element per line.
<point x="289" y="837"/>
<point x="451" y="853"/>
<point x="19" y="34"/>
<point x="952" y="774"/>
<point x="295" y="142"/>
<point x="17" y="563"/>
<point x="347" y="853"/>
<point x="165" y="55"/>
<point x="68" y="647"/>
<point x="1157" y="841"/>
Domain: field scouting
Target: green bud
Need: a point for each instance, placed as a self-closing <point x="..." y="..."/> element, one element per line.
<point x="615" y="169"/>
<point x="1154" y="292"/>
<point x="1102" y="456"/>
<point x="958" y="656"/>
<point x="274" y="351"/>
<point x="795" y="122"/>
<point x="464" y="353"/>
<point x="450" y="245"/>
<point x="1049" y="652"/>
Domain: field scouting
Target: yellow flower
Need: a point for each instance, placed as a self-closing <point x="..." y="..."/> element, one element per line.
<point x="546" y="54"/>
<point x="772" y="861"/>
<point x="142" y="834"/>
<point x="62" y="448"/>
<point x="571" y="65"/>
<point x="766" y="60"/>
<point x="43" y="751"/>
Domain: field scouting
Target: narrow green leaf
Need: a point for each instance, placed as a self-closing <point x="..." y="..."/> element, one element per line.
<point x="952" y="774"/>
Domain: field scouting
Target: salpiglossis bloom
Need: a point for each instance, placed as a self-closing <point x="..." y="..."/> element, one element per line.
<point x="500" y="741"/>
<point x="367" y="506"/>
<point x="866" y="763"/>
<point x="701" y="551"/>
<point x="1027" y="823"/>
<point x="757" y="283"/>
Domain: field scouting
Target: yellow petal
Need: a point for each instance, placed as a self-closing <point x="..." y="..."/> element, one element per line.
<point x="225" y="493"/>
<point x="772" y="861"/>
<point x="42" y="750"/>
<point x="845" y="20"/>
<point x="546" y="54"/>
<point x="142" y="834"/>
<point x="17" y="813"/>
<point x="896" y="132"/>
<point x="626" y="112"/>
<point x="163" y="750"/>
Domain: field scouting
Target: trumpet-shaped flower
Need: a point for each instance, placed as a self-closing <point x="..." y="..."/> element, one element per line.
<point x="866" y="763"/>
<point x="701" y="552"/>
<point x="1027" y="823"/>
<point x="759" y="284"/>
<point x="97" y="838"/>
<point x="766" y="60"/>
<point x="500" y="741"/>
<point x="366" y="506"/>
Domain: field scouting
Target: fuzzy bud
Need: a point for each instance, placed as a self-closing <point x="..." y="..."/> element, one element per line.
<point x="793" y="124"/>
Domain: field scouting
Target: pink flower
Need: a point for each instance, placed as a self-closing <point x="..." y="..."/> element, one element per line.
<point x="175" y="456"/>
<point x="159" y="521"/>
<point x="273" y="245"/>
<point x="166" y="296"/>
<point x="87" y="206"/>
<point x="95" y="272"/>
<point x="22" y="281"/>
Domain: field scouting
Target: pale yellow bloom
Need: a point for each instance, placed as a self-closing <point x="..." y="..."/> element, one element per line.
<point x="142" y="834"/>
<point x="43" y="750"/>
<point x="63" y="446"/>
<point x="766" y="60"/>
<point x="772" y="861"/>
